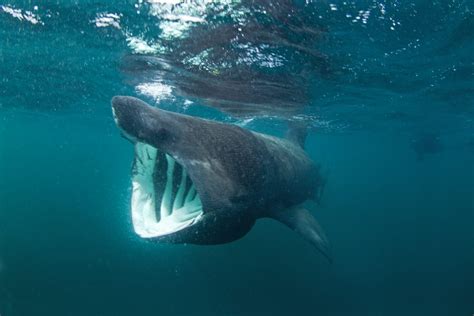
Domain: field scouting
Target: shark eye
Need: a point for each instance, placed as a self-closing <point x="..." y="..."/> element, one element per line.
<point x="162" y="134"/>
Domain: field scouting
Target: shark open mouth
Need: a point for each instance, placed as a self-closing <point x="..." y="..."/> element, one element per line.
<point x="164" y="199"/>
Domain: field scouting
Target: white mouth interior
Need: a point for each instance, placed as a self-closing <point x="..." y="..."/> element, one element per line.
<point x="163" y="208"/>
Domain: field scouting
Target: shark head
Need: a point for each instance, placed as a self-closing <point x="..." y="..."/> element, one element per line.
<point x="181" y="191"/>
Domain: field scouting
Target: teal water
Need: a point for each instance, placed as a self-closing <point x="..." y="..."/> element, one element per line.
<point x="390" y="104"/>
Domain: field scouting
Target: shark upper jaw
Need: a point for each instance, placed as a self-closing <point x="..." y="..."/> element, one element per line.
<point x="164" y="199"/>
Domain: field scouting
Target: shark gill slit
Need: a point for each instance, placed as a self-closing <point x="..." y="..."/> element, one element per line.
<point x="164" y="199"/>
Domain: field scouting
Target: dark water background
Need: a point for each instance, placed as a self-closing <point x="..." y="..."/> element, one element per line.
<point x="392" y="125"/>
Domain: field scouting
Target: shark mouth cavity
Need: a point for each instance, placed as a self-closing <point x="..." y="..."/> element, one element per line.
<point x="164" y="199"/>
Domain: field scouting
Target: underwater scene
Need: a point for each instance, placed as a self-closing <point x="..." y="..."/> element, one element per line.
<point x="236" y="157"/>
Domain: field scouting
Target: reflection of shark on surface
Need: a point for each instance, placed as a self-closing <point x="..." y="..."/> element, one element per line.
<point x="427" y="144"/>
<point x="247" y="65"/>
<point x="203" y="182"/>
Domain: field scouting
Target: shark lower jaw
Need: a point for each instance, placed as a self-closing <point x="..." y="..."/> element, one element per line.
<point x="164" y="199"/>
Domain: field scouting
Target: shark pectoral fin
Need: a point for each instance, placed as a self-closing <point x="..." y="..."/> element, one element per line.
<point x="300" y="220"/>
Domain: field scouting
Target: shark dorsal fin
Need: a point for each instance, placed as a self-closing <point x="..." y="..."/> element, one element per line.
<point x="297" y="132"/>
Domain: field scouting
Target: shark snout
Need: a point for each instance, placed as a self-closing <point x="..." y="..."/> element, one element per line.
<point x="122" y="108"/>
<point x="133" y="117"/>
<point x="140" y="122"/>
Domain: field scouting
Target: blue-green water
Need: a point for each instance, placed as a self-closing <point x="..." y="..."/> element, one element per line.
<point x="387" y="88"/>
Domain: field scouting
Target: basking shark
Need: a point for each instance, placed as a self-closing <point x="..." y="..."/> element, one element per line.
<point x="427" y="144"/>
<point x="204" y="182"/>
